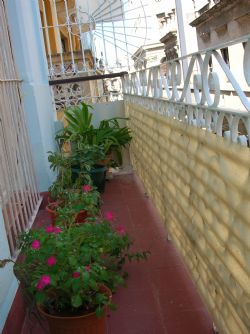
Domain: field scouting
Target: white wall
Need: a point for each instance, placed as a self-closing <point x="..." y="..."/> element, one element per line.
<point x="107" y="110"/>
<point x="29" y="54"/>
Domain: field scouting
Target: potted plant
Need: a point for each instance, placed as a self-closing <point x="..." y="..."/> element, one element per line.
<point x="90" y="155"/>
<point x="110" y="135"/>
<point x="79" y="204"/>
<point x="64" y="165"/>
<point x="67" y="286"/>
<point x="69" y="272"/>
<point x="115" y="138"/>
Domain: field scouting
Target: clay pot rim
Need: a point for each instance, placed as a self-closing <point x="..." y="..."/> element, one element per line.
<point x="51" y="316"/>
<point x="73" y="317"/>
<point x="53" y="205"/>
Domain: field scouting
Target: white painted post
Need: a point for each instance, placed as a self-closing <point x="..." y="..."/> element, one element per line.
<point x="184" y="10"/>
<point x="187" y="34"/>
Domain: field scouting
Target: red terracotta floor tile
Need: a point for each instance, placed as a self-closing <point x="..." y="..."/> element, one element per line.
<point x="189" y="322"/>
<point x="171" y="279"/>
<point x="135" y="301"/>
<point x="160" y="296"/>
<point x="136" y="275"/>
<point x="43" y="218"/>
<point x="34" y="324"/>
<point x="16" y="315"/>
<point x="137" y="324"/>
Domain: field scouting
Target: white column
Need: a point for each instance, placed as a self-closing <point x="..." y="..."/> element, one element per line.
<point x="8" y="282"/>
<point x="29" y="54"/>
<point x="186" y="34"/>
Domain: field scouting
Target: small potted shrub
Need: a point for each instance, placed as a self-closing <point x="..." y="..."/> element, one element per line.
<point x="79" y="204"/>
<point x="64" y="165"/>
<point x="90" y="155"/>
<point x="72" y="189"/>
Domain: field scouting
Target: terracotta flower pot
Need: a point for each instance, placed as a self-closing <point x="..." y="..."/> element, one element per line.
<point x="81" y="217"/>
<point x="86" y="324"/>
<point x="50" y="199"/>
<point x="51" y="209"/>
<point x="105" y="161"/>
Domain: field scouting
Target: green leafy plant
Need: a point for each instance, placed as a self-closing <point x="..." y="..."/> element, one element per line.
<point x="64" y="268"/>
<point x="80" y="130"/>
<point x="73" y="168"/>
<point x="77" y="205"/>
<point x="61" y="164"/>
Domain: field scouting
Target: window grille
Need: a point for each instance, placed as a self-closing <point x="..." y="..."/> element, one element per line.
<point x="19" y="198"/>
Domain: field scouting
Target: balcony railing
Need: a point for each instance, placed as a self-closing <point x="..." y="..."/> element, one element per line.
<point x="202" y="89"/>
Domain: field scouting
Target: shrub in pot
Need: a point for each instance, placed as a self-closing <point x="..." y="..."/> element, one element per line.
<point x="69" y="272"/>
<point x="90" y="155"/>
<point x="80" y="129"/>
<point x="78" y="204"/>
<point x="64" y="164"/>
<point x="76" y="168"/>
<point x="109" y="136"/>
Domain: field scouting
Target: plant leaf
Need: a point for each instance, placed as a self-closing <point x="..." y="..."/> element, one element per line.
<point x="76" y="301"/>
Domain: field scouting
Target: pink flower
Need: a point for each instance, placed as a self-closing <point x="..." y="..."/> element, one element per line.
<point x="76" y="274"/>
<point x="86" y="188"/>
<point x="43" y="282"/>
<point x="35" y="244"/>
<point x="40" y="285"/>
<point x="121" y="230"/>
<point x="46" y="279"/>
<point x="57" y="230"/>
<point x="49" y="229"/>
<point x="51" y="261"/>
<point x="109" y="215"/>
<point x="88" y="268"/>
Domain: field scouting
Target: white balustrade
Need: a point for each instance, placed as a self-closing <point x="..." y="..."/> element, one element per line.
<point x="219" y="99"/>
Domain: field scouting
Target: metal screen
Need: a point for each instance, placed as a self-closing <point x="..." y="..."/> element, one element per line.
<point x="84" y="36"/>
<point x="91" y="37"/>
<point x="19" y="197"/>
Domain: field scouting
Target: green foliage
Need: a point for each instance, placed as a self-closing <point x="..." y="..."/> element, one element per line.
<point x="83" y="158"/>
<point x="77" y="200"/>
<point x="66" y="267"/>
<point x="75" y="263"/>
<point x="80" y="131"/>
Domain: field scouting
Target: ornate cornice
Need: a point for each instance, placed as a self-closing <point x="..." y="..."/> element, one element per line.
<point x="216" y="10"/>
<point x="169" y="37"/>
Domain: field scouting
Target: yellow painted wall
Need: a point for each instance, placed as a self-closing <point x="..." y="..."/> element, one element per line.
<point x="200" y="184"/>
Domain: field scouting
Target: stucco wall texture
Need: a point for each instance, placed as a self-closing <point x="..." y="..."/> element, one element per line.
<point x="200" y="184"/>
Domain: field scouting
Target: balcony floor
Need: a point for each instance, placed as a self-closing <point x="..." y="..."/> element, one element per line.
<point x="160" y="297"/>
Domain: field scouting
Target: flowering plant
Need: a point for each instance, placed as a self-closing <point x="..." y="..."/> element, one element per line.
<point x="75" y="202"/>
<point x="64" y="268"/>
<point x="87" y="198"/>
